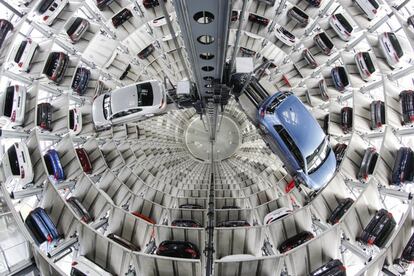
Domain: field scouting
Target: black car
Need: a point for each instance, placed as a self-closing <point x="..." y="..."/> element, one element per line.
<point x="146" y="52"/>
<point x="403" y="166"/>
<point x="191" y="206"/>
<point x="122" y="16"/>
<point x="151" y="3"/>
<point x="339" y="151"/>
<point x="368" y="164"/>
<point x="378" y="229"/>
<point x="101" y="4"/>
<point x="127" y="244"/>
<point x="346" y="119"/>
<point x="295" y="241"/>
<point x="323" y="41"/>
<point x="407" y="106"/>
<point x="247" y="52"/>
<point x="178" y="249"/>
<point x="332" y="268"/>
<point x="254" y="18"/>
<point x="79" y="209"/>
<point x="408" y="252"/>
<point x="186" y="223"/>
<point x="340" y="210"/>
<point x="44" y="116"/>
<point x="377" y="111"/>
<point x="56" y="65"/>
<point x="5" y="28"/>
<point x="234" y="16"/>
<point x="80" y="80"/>
<point x="299" y="16"/>
<point x="233" y="223"/>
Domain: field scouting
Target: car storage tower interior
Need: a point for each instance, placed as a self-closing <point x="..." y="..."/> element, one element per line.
<point x="217" y="60"/>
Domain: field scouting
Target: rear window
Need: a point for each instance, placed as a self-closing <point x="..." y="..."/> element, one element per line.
<point x="8" y="103"/>
<point x="300" y="12"/>
<point x="396" y="44"/>
<point x="76" y="272"/>
<point x="368" y="62"/>
<point x="74" y="26"/>
<point x="51" y="64"/>
<point x="343" y="75"/>
<point x="44" y="5"/>
<point x="287" y="33"/>
<point x="145" y="95"/>
<point x="290" y="144"/>
<point x="14" y="162"/>
<point x="71" y="119"/>
<point x="374" y="3"/>
<point x="20" y="51"/>
<point x="326" y="40"/>
<point x="49" y="165"/>
<point x="344" y="22"/>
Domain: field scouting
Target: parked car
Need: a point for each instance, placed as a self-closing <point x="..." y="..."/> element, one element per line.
<point x="186" y="223"/>
<point x="23" y="54"/>
<point x="77" y="28"/>
<point x="54" y="167"/>
<point x="410" y="21"/>
<point x="408" y="253"/>
<point x="13" y="104"/>
<point x="340" y="78"/>
<point x="307" y="55"/>
<point x="323" y="88"/>
<point x="254" y="18"/>
<point x="17" y="163"/>
<point x="276" y="215"/>
<point x="5" y="28"/>
<point x="44" y="116"/>
<point x="403" y="170"/>
<point x="391" y="48"/>
<point x="81" y="266"/>
<point x="102" y="4"/>
<point x="341" y="26"/>
<point x="368" y="164"/>
<point x="378" y="229"/>
<point x="41" y="226"/>
<point x="80" y="80"/>
<point x="247" y="52"/>
<point x="234" y="16"/>
<point x="141" y="216"/>
<point x="301" y="143"/>
<point x="233" y="223"/>
<point x="178" y="249"/>
<point x="48" y="10"/>
<point x="377" y="111"/>
<point x="324" y="43"/>
<point x="79" y="209"/>
<point x="365" y="65"/>
<point x="340" y="210"/>
<point x="315" y="3"/>
<point x="346" y="119"/>
<point x="285" y="36"/>
<point x="121" y="17"/>
<point x="146" y="52"/>
<point x="332" y="268"/>
<point x="369" y="7"/>
<point x="128" y="103"/>
<point x="75" y="120"/>
<point x="190" y="206"/>
<point x="84" y="160"/>
<point x="295" y="241"/>
<point x="407" y="106"/>
<point x="125" y="243"/>
<point x="55" y="66"/>
<point x="299" y="16"/>
<point x="339" y="151"/>
<point x="151" y="3"/>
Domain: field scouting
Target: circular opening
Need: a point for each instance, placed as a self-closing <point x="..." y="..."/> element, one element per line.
<point x="204" y="17"/>
<point x="206" y="56"/>
<point x="208" y="85"/>
<point x="205" y="39"/>
<point x="208" y="78"/>
<point x="207" y="68"/>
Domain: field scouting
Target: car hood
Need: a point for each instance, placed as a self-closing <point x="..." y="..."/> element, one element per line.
<point x="97" y="111"/>
<point x="319" y="178"/>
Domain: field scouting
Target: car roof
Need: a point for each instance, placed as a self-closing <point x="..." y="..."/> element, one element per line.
<point x="124" y="99"/>
<point x="300" y="124"/>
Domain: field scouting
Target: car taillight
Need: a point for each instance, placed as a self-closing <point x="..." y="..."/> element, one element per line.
<point x="347" y="33"/>
<point x="49" y="238"/>
<point x="290" y="186"/>
<point x="191" y="251"/>
<point x="389" y="215"/>
<point x="370" y="241"/>
<point x="22" y="174"/>
<point x="162" y="248"/>
<point x="412" y="118"/>
<point x="379" y="124"/>
<point x="45" y="18"/>
<point x="74" y="263"/>
<point x="13" y="116"/>
<point x="374" y="11"/>
<point x="20" y="64"/>
<point x="365" y="177"/>
<point x="262" y="113"/>
<point x="367" y="72"/>
<point x="396" y="57"/>
<point x="342" y="268"/>
<point x="43" y="124"/>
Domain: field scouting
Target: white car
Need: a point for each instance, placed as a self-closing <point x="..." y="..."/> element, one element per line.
<point x="365" y="65"/>
<point x="276" y="214"/>
<point x="341" y="26"/>
<point x="23" y="54"/>
<point x="285" y="36"/>
<point x="391" y="48"/>
<point x="13" y="104"/>
<point x="369" y="7"/>
<point x="238" y="257"/>
<point x="17" y="163"/>
<point x="48" y="10"/>
<point x="75" y="121"/>
<point x="129" y="103"/>
<point x="83" y="266"/>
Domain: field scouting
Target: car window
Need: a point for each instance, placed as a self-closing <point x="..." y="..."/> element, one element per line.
<point x="74" y="26"/>
<point x="395" y="44"/>
<point x="344" y="22"/>
<point x="145" y="94"/>
<point x="71" y="119"/>
<point x="20" y="51"/>
<point x="107" y="106"/>
<point x="316" y="159"/>
<point x="326" y="40"/>
<point x="49" y="165"/>
<point x="13" y="160"/>
<point x="300" y="12"/>
<point x="287" y="33"/>
<point x="277" y="101"/>
<point x="8" y="103"/>
<point x="290" y="144"/>
<point x="368" y="62"/>
<point x="374" y="3"/>
<point x="44" y="6"/>
<point x="343" y="75"/>
<point x="76" y="272"/>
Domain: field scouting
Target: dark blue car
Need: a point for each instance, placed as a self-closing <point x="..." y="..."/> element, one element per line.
<point x="54" y="167"/>
<point x="340" y="78"/>
<point x="297" y="138"/>
<point x="41" y="226"/>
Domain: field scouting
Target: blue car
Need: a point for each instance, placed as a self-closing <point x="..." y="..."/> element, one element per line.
<point x="297" y="138"/>
<point x="54" y="167"/>
<point x="41" y="226"/>
<point x="340" y="78"/>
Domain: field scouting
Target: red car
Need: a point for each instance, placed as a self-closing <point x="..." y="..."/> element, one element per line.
<point x="84" y="160"/>
<point x="258" y="19"/>
<point x="141" y="216"/>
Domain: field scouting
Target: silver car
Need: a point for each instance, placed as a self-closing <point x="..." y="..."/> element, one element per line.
<point x="129" y="103"/>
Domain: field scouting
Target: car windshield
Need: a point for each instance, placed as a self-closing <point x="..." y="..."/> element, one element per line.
<point x="326" y="40"/>
<point x="290" y="144"/>
<point x="368" y="62"/>
<point x="44" y="6"/>
<point x="14" y="162"/>
<point x="343" y="75"/>
<point x="107" y="106"/>
<point x="71" y="118"/>
<point x="287" y="33"/>
<point x="74" y="26"/>
<point x="277" y="101"/>
<point x="316" y="159"/>
<point x="395" y="44"/>
<point x="344" y="22"/>
<point x="20" y="51"/>
<point x="300" y="12"/>
<point x="8" y="102"/>
<point x="145" y="95"/>
<point x="374" y="3"/>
